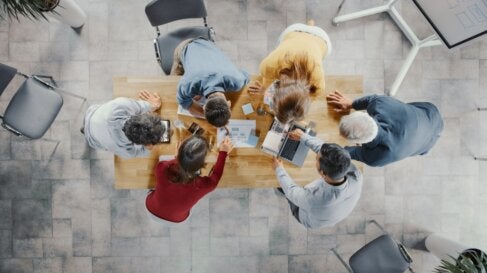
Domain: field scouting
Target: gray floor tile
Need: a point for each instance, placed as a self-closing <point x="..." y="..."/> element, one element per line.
<point x="16" y="265"/>
<point x="48" y="265"/>
<point x="6" y="243"/>
<point x="27" y="248"/>
<point x="32" y="218"/>
<point x="306" y="263"/>
<point x="77" y="264"/>
<point x="229" y="217"/>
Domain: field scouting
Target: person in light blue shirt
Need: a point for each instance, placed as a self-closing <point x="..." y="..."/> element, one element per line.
<point x="126" y="127"/>
<point x="207" y="73"/>
<point x="328" y="199"/>
<point x="389" y="130"/>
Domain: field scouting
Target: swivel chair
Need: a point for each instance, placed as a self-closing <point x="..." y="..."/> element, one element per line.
<point x="33" y="108"/>
<point x="161" y="12"/>
<point x="382" y="255"/>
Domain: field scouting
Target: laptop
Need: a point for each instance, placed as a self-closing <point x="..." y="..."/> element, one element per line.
<point x="278" y="144"/>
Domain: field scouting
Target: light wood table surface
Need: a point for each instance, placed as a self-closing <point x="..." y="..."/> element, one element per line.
<point x="245" y="167"/>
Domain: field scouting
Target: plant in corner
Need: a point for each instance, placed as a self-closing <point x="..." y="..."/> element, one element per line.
<point x="469" y="261"/>
<point x="66" y="11"/>
<point x="33" y="9"/>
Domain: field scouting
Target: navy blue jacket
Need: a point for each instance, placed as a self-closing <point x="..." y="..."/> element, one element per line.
<point x="405" y="129"/>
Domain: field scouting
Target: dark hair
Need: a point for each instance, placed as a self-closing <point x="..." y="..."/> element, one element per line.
<point x="144" y="129"/>
<point x="334" y="161"/>
<point x="290" y="102"/>
<point x="190" y="159"/>
<point x="217" y="112"/>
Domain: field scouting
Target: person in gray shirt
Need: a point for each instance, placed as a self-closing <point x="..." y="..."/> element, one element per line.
<point x="330" y="198"/>
<point x="207" y="73"/>
<point x="124" y="126"/>
<point x="389" y="130"/>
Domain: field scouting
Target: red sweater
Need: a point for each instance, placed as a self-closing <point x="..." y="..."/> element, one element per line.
<point x="173" y="202"/>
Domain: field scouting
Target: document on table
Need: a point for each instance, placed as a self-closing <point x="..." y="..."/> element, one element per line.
<point x="184" y="112"/>
<point x="242" y="133"/>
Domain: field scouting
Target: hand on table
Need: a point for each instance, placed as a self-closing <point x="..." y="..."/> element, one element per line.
<point x="256" y="87"/>
<point x="152" y="98"/>
<point x="340" y="103"/>
<point x="276" y="162"/>
<point x="296" y="134"/>
<point x="226" y="145"/>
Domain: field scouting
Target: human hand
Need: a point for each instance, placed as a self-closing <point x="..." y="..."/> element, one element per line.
<point x="339" y="102"/>
<point x="152" y="98"/>
<point x="226" y="145"/>
<point x="276" y="163"/>
<point x="255" y="88"/>
<point x="296" y="134"/>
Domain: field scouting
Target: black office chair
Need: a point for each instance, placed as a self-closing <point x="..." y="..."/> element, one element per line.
<point x="161" y="12"/>
<point x="33" y="108"/>
<point x="382" y="255"/>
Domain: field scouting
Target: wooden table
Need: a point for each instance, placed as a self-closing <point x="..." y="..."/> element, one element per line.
<point x="245" y="167"/>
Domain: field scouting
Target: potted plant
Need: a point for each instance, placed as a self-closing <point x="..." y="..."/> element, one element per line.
<point x="469" y="261"/>
<point x="456" y="257"/>
<point x="66" y="11"/>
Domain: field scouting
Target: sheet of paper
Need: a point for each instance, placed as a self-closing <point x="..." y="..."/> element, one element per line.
<point x="240" y="130"/>
<point x="272" y="141"/>
<point x="247" y="109"/>
<point x="184" y="112"/>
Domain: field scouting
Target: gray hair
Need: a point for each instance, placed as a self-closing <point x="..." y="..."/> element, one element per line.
<point x="358" y="127"/>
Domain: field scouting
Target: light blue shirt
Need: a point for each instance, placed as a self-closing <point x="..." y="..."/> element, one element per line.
<point x="321" y="204"/>
<point x="104" y="123"/>
<point x="206" y="70"/>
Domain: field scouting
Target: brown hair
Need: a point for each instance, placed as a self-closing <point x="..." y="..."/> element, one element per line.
<point x="190" y="159"/>
<point x="291" y="99"/>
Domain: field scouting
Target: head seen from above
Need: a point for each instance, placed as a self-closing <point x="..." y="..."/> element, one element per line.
<point x="333" y="162"/>
<point x="290" y="102"/>
<point x="358" y="127"/>
<point x="217" y="110"/>
<point x="144" y="129"/>
<point x="190" y="159"/>
<point x="291" y="99"/>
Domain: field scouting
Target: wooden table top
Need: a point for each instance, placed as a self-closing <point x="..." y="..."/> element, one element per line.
<point x="245" y="167"/>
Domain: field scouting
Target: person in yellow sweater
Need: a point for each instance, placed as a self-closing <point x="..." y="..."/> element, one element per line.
<point x="293" y="70"/>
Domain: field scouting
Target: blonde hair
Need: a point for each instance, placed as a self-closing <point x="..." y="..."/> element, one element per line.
<point x="291" y="99"/>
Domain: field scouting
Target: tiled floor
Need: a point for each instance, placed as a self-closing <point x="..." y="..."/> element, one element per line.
<point x="63" y="215"/>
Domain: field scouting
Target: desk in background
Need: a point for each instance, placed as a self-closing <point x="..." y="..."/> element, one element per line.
<point x="245" y="167"/>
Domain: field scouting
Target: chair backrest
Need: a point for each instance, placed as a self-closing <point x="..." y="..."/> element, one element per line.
<point x="7" y="73"/>
<point x="32" y="109"/>
<point x="381" y="255"/>
<point x="161" y="12"/>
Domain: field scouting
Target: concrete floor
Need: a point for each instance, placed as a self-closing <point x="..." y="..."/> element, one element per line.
<point x="64" y="215"/>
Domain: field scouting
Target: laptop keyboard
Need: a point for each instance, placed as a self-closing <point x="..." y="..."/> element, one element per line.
<point x="289" y="149"/>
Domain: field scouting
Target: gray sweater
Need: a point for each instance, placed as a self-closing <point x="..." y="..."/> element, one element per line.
<point x="405" y="129"/>
<point x="104" y="123"/>
<point x="321" y="204"/>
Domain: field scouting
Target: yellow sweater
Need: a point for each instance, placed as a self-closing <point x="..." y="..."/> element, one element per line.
<point x="294" y="44"/>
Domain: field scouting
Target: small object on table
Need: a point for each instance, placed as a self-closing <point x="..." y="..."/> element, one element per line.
<point x="247" y="108"/>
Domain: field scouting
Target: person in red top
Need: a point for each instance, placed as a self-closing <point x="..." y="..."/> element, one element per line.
<point x="178" y="183"/>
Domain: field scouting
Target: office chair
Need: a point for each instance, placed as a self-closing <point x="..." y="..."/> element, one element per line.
<point x="382" y="255"/>
<point x="33" y="108"/>
<point x="161" y="12"/>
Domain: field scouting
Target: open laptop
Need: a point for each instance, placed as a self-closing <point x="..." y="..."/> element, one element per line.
<point x="277" y="143"/>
